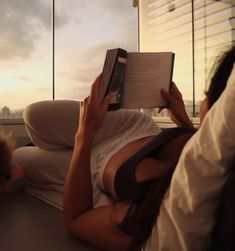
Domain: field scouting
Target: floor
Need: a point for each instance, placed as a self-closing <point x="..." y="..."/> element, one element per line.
<point x="28" y="224"/>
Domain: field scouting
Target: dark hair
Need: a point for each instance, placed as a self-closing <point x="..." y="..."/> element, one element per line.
<point x="220" y="74"/>
<point x="145" y="206"/>
<point x="144" y="210"/>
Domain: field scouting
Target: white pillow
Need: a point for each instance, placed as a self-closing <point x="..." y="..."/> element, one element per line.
<point x="187" y="214"/>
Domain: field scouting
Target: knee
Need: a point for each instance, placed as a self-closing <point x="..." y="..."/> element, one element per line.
<point x="52" y="123"/>
<point x="33" y="112"/>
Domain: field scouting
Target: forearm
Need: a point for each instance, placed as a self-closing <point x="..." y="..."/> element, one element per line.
<point x="78" y="186"/>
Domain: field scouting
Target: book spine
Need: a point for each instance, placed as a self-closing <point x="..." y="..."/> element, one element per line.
<point x="117" y="79"/>
<point x="113" y="75"/>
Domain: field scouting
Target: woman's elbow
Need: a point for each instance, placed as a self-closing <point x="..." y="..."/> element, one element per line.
<point x="68" y="224"/>
<point x="73" y="227"/>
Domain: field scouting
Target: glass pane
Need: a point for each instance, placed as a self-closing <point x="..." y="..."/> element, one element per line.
<point x="84" y="31"/>
<point x="25" y="54"/>
<point x="213" y="34"/>
<point x="167" y="26"/>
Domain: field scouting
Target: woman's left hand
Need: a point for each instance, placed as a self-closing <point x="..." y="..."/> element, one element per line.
<point x="176" y="108"/>
<point x="92" y="111"/>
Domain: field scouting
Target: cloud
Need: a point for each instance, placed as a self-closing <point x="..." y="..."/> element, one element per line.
<point x="85" y="65"/>
<point x="124" y="21"/>
<point x="23" y="23"/>
<point x="116" y="8"/>
<point x="94" y="27"/>
<point x="20" y="21"/>
<point x="22" y="78"/>
<point x="88" y="63"/>
<point x="114" y="25"/>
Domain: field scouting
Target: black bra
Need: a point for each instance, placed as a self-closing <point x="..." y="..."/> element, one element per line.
<point x="125" y="183"/>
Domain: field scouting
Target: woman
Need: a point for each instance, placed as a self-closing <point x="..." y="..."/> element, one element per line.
<point x="111" y="227"/>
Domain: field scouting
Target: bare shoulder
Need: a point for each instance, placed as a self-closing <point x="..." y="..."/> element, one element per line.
<point x="99" y="227"/>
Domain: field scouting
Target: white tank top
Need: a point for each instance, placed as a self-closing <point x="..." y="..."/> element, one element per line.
<point x="120" y="128"/>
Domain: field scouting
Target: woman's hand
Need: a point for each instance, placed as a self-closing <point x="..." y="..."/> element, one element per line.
<point x="93" y="112"/>
<point x="176" y="108"/>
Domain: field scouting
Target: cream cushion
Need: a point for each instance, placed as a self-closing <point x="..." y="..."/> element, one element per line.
<point x="187" y="214"/>
<point x="45" y="171"/>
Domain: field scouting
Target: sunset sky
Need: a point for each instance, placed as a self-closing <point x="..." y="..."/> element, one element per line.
<point x="84" y="31"/>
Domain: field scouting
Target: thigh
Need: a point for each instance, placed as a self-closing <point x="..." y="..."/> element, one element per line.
<point x="52" y="124"/>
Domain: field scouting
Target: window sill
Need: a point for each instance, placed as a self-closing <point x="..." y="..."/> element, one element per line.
<point x="18" y="121"/>
<point x="166" y="122"/>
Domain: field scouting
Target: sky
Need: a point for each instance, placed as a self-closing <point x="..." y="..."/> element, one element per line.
<point x="84" y="31"/>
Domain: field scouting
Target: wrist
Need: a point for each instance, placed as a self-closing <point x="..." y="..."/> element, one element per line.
<point x="186" y="122"/>
<point x="84" y="137"/>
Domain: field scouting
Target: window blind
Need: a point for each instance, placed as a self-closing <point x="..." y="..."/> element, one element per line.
<point x="195" y="30"/>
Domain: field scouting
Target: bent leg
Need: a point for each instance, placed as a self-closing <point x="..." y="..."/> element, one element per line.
<point x="52" y="124"/>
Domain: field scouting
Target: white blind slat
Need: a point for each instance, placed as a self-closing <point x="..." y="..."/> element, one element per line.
<point x="165" y="30"/>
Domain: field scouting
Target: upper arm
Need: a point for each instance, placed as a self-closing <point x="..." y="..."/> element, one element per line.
<point x="99" y="228"/>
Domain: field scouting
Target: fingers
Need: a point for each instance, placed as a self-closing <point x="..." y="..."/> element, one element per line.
<point x="175" y="91"/>
<point x="84" y="102"/>
<point x="107" y="100"/>
<point x="167" y="96"/>
<point x="83" y="106"/>
<point x="159" y="109"/>
<point x="95" y="88"/>
<point x="173" y="96"/>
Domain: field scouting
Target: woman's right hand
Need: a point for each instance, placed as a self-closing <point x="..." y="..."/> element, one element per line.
<point x="176" y="108"/>
<point x="92" y="112"/>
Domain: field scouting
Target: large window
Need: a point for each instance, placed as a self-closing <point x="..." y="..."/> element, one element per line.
<point x="196" y="30"/>
<point x="55" y="48"/>
<point x="41" y="59"/>
<point x="90" y="28"/>
<point x="25" y="54"/>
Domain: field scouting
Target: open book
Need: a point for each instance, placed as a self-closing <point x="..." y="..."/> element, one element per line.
<point x="137" y="77"/>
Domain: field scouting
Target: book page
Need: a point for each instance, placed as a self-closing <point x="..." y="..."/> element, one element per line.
<point x="146" y="74"/>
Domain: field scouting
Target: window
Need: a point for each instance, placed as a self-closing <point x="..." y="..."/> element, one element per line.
<point x="29" y="56"/>
<point x="25" y="54"/>
<point x="196" y="31"/>
<point x="89" y="29"/>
